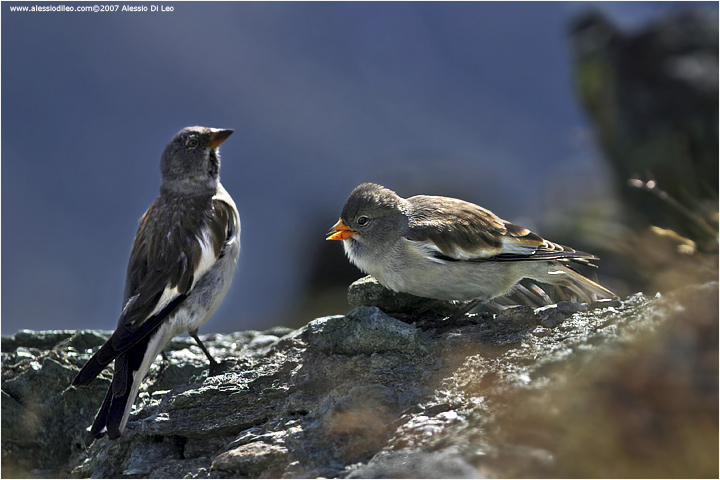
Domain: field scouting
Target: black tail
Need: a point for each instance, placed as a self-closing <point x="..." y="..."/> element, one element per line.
<point x="96" y="364"/>
<point x="101" y="418"/>
<point x="119" y="397"/>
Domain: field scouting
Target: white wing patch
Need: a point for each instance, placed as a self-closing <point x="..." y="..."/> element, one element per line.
<point x="168" y="295"/>
<point x="224" y="196"/>
<point x="429" y="250"/>
<point x="207" y="258"/>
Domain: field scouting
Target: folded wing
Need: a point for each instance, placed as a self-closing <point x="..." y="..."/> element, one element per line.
<point x="164" y="265"/>
<point x="472" y="233"/>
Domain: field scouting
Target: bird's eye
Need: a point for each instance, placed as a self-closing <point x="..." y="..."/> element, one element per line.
<point x="363" y="220"/>
<point x="192" y="143"/>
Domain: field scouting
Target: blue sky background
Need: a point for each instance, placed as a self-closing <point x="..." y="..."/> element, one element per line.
<point x="468" y="99"/>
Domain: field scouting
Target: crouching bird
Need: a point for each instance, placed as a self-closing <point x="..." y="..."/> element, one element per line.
<point x="181" y="265"/>
<point x="449" y="249"/>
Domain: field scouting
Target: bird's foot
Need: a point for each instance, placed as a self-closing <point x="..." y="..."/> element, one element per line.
<point x="216" y="368"/>
<point x="463" y="311"/>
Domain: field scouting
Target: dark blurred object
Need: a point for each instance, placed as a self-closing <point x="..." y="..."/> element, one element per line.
<point x="653" y="99"/>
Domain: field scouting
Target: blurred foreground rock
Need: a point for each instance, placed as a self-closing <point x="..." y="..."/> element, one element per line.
<point x="623" y="389"/>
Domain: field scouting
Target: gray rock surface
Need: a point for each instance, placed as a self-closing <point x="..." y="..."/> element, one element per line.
<point x="611" y="389"/>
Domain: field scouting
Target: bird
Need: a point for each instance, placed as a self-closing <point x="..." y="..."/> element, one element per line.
<point x="448" y="249"/>
<point x="181" y="265"/>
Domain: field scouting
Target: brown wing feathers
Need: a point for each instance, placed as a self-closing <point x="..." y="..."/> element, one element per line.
<point x="544" y="249"/>
<point x="158" y="261"/>
<point x="464" y="225"/>
<point x="480" y="235"/>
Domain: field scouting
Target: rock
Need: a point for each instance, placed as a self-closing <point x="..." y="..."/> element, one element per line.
<point x="50" y="338"/>
<point x="42" y="420"/>
<point x="553" y="315"/>
<point x="416" y="464"/>
<point x="368" y="292"/>
<point x="365" y="330"/>
<point x="252" y="459"/>
<point x="617" y="389"/>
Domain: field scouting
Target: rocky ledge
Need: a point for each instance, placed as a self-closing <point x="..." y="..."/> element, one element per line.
<point x="616" y="389"/>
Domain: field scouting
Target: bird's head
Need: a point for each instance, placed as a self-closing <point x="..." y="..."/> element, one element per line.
<point x="372" y="213"/>
<point x="191" y="161"/>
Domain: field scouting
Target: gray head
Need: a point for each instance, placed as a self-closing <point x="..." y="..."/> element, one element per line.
<point x="371" y="212"/>
<point x="191" y="162"/>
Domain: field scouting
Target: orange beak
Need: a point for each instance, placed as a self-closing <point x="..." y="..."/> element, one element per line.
<point x="340" y="231"/>
<point x="218" y="136"/>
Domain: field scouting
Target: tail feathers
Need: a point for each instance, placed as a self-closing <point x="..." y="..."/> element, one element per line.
<point x="96" y="364"/>
<point x="115" y="409"/>
<point x="98" y="427"/>
<point x="112" y="416"/>
<point x="583" y="286"/>
<point x="558" y="273"/>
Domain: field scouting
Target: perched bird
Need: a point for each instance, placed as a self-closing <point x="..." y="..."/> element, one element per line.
<point x="449" y="249"/>
<point x="181" y="265"/>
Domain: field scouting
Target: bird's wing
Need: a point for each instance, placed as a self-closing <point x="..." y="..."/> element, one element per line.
<point x="469" y="232"/>
<point x="164" y="266"/>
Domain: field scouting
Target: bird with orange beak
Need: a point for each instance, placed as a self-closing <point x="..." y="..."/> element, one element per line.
<point x="448" y="249"/>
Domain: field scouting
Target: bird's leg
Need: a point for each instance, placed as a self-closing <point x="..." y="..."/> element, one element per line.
<point x="561" y="293"/>
<point x="164" y="362"/>
<point x="214" y="365"/>
<point x="461" y="313"/>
